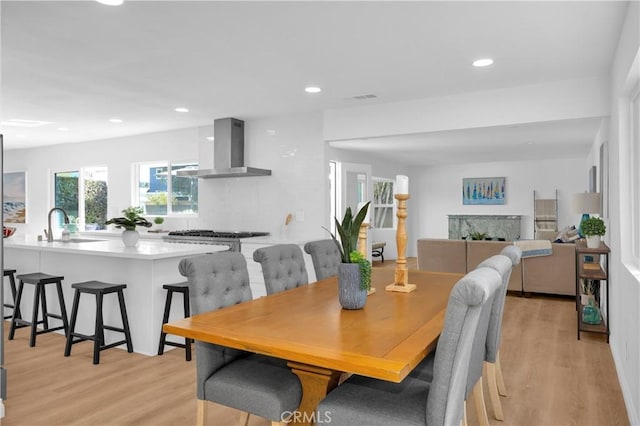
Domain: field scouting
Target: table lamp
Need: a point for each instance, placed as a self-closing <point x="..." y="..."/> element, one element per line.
<point x="586" y="203"/>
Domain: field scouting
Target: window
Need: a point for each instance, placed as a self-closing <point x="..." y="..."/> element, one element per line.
<point x="154" y="188"/>
<point x="83" y="195"/>
<point x="382" y="206"/>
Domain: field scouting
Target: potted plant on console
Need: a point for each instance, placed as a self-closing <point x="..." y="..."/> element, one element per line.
<point x="132" y="218"/>
<point x="593" y="228"/>
<point x="354" y="272"/>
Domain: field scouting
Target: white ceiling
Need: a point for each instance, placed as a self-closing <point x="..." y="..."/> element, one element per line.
<point x="78" y="64"/>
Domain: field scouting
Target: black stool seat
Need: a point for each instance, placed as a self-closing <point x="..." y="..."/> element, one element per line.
<point x="175" y="288"/>
<point x="99" y="289"/>
<point x="12" y="283"/>
<point x="39" y="279"/>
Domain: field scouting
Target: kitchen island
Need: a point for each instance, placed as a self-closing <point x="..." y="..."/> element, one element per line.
<point x="144" y="268"/>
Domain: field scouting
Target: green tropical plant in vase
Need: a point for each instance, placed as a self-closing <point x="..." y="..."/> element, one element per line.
<point x="348" y="230"/>
<point x="132" y="217"/>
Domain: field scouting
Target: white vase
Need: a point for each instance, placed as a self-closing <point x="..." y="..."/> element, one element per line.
<point x="130" y="238"/>
<point x="593" y="241"/>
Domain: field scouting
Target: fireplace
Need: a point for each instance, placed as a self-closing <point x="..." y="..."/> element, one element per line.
<point x="494" y="226"/>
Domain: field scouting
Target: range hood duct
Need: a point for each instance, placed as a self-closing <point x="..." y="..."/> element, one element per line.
<point x="228" y="152"/>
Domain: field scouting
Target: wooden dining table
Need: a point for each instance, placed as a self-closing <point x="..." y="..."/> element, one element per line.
<point x="323" y="342"/>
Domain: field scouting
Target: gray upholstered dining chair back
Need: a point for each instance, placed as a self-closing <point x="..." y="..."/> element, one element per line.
<point x="501" y="265"/>
<point x="469" y="302"/>
<point x="325" y="256"/>
<point x="283" y="267"/>
<point x="216" y="280"/>
<point x="366" y="401"/>
<point x="251" y="383"/>
<point x="504" y="264"/>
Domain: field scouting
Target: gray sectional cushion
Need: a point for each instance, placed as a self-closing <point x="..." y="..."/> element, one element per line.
<point x="283" y="267"/>
<point x="325" y="256"/>
<point x="366" y="401"/>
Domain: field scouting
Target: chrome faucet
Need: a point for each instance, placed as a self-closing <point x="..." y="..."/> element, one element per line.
<point x="48" y="231"/>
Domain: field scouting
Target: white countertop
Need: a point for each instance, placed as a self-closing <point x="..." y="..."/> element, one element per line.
<point x="113" y="247"/>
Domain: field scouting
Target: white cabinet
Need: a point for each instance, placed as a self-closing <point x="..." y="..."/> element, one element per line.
<point x="255" y="270"/>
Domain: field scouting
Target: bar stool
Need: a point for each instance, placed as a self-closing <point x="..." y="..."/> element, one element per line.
<point x="12" y="283"/>
<point x="99" y="289"/>
<point x="175" y="288"/>
<point x="40" y="280"/>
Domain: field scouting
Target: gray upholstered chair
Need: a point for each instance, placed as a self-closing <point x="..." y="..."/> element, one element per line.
<point x="493" y="370"/>
<point x="251" y="383"/>
<point x="503" y="265"/>
<point x="283" y="267"/>
<point x="365" y="401"/>
<point x="325" y="255"/>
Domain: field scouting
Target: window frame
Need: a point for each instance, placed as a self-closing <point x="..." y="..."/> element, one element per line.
<point x="169" y="164"/>
<point x="375" y="206"/>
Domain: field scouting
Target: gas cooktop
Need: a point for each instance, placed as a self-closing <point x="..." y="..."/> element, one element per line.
<point x="207" y="233"/>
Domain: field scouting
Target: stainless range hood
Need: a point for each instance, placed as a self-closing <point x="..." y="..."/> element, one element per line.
<point x="228" y="153"/>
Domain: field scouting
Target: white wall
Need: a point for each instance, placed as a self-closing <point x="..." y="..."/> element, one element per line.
<point x="625" y="278"/>
<point x="440" y="192"/>
<point x="293" y="148"/>
<point x="117" y="154"/>
<point x="381" y="168"/>
<point x="561" y="100"/>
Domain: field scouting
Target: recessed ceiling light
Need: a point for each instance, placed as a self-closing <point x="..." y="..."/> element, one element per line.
<point x="210" y="138"/>
<point x="482" y="62"/>
<point x="115" y="120"/>
<point x="63" y="129"/>
<point x="182" y="109"/>
<point x="312" y="89"/>
<point x="111" y="2"/>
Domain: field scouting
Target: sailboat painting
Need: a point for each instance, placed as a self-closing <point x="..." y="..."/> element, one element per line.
<point x="14" y="203"/>
<point x="487" y="191"/>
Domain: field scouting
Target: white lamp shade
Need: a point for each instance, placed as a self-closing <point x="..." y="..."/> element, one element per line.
<point x="586" y="202"/>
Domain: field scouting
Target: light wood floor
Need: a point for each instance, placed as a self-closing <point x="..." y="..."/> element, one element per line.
<point x="552" y="378"/>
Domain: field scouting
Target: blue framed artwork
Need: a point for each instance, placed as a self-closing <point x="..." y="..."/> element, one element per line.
<point x="14" y="203"/>
<point x="488" y="191"/>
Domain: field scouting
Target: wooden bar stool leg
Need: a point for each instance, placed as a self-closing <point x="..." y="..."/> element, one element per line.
<point x="165" y="319"/>
<point x="34" y="316"/>
<point x="125" y="321"/>
<point x="72" y="326"/>
<point x="16" y="312"/>
<point x="187" y="313"/>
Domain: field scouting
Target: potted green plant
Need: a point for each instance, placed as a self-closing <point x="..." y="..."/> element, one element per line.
<point x="132" y="217"/>
<point x="353" y="279"/>
<point x="158" y="221"/>
<point x="593" y="228"/>
<point x="478" y="235"/>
